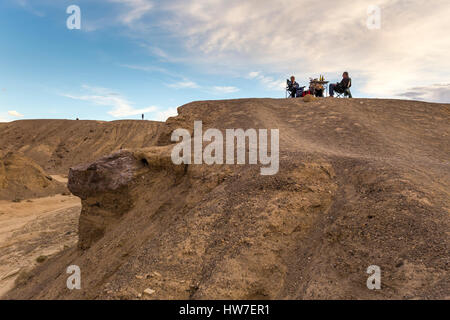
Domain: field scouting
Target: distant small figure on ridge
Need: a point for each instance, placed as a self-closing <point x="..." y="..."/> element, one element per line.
<point x="142" y="116"/>
<point x="342" y="87"/>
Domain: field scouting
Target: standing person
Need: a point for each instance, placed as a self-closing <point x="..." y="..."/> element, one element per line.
<point x="342" y="86"/>
<point x="142" y="116"/>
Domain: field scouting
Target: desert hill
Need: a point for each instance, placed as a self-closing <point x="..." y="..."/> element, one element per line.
<point x="361" y="182"/>
<point x="56" y="145"/>
<point x="21" y="178"/>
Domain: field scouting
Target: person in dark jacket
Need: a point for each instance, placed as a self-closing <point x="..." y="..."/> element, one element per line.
<point x="294" y="88"/>
<point x="342" y="86"/>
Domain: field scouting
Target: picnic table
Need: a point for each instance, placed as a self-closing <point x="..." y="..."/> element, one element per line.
<point x="313" y="83"/>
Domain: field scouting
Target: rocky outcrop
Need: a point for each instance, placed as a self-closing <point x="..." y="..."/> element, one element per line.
<point x="103" y="189"/>
<point x="106" y="187"/>
<point x="108" y="174"/>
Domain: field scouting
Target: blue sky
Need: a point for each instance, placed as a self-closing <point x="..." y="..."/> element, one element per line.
<point x="134" y="56"/>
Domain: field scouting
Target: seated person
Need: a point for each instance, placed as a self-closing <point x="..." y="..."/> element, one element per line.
<point x="319" y="92"/>
<point x="343" y="86"/>
<point x="294" y="88"/>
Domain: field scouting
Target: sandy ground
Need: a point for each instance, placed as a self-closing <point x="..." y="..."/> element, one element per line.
<point x="60" y="178"/>
<point x="34" y="228"/>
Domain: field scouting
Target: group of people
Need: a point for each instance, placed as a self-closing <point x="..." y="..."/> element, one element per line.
<point x="316" y="87"/>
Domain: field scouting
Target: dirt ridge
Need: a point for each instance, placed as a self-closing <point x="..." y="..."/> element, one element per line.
<point x="362" y="182"/>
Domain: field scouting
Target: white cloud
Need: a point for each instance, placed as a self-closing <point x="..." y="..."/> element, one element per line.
<point x="187" y="84"/>
<point x="225" y="89"/>
<point x="16" y="114"/>
<point x="282" y="37"/>
<point x="25" y="4"/>
<point x="269" y="82"/>
<point x="302" y="38"/>
<point x="121" y="107"/>
<point x="165" y="114"/>
<point x="184" y="85"/>
<point x="136" y="10"/>
<point x="434" y="93"/>
<point x="157" y="51"/>
<point x="253" y="75"/>
<point x="145" y="68"/>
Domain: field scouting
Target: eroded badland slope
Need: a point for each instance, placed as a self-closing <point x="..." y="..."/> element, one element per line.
<point x="361" y="182"/>
<point x="57" y="145"/>
<point x="21" y="178"/>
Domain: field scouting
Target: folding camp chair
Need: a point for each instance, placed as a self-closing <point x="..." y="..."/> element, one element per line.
<point x="288" y="92"/>
<point x="346" y="93"/>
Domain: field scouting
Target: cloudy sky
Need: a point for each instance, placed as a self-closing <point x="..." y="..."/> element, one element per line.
<point x="147" y="56"/>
